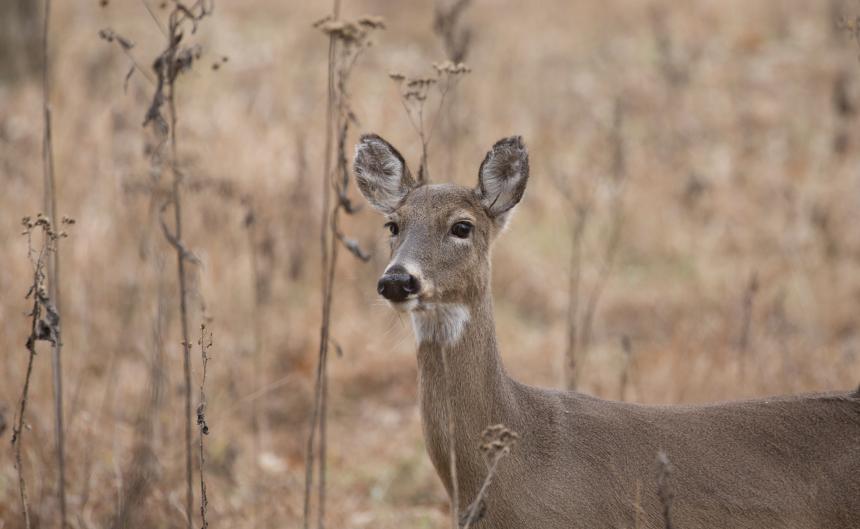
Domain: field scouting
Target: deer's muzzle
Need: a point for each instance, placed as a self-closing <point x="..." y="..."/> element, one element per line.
<point x="397" y="284"/>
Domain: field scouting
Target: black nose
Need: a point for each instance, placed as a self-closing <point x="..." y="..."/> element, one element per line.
<point x="397" y="284"/>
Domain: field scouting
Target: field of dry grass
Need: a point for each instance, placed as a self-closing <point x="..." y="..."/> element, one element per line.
<point x="735" y="274"/>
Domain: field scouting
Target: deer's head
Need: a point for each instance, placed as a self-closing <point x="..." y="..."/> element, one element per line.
<point x="441" y="233"/>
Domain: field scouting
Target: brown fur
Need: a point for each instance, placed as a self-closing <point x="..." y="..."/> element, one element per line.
<point x="582" y="462"/>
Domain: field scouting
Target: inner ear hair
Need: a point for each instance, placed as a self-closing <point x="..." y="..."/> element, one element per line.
<point x="503" y="175"/>
<point x="381" y="173"/>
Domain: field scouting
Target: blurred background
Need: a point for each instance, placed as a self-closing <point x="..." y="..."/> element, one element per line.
<point x="695" y="177"/>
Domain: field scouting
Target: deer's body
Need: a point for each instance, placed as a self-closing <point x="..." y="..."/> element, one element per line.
<point x="582" y="462"/>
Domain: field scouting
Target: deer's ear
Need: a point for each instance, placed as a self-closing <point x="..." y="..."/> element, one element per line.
<point x="381" y="173"/>
<point x="502" y="178"/>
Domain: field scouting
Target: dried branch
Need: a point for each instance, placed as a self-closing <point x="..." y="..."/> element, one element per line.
<point x="44" y="326"/>
<point x="126" y="45"/>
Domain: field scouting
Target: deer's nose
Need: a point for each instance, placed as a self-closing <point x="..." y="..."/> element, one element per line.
<point x="397" y="284"/>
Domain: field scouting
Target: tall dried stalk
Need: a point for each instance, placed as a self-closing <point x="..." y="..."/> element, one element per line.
<point x="173" y="61"/>
<point x="205" y="343"/>
<point x="44" y="326"/>
<point x="53" y="265"/>
<point x="347" y="40"/>
<point x="320" y="391"/>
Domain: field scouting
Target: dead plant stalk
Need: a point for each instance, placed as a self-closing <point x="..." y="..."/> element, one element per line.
<point x="173" y="61"/>
<point x="53" y="265"/>
<point x="205" y="343"/>
<point x="347" y="40"/>
<point x="44" y="326"/>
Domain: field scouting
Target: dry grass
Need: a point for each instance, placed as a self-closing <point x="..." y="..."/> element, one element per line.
<point x="740" y="156"/>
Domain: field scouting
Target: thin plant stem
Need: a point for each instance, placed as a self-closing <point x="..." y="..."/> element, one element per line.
<point x="180" y="265"/>
<point x="574" y="283"/>
<point x="53" y="262"/>
<point x="22" y="409"/>
<point x="482" y="492"/>
<point x="201" y="423"/>
<point x="317" y="414"/>
<point x="257" y="363"/>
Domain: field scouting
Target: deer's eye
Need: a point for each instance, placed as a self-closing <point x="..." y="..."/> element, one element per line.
<point x="461" y="229"/>
<point x="393" y="228"/>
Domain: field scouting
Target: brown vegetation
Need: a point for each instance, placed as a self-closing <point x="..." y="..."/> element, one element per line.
<point x="734" y="274"/>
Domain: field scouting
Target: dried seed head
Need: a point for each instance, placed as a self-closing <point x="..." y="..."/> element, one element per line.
<point x="106" y="34"/>
<point x="317" y="24"/>
<point x="371" y="22"/>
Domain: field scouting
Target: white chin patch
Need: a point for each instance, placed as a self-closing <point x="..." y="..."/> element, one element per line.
<point x="404" y="306"/>
<point x="440" y="324"/>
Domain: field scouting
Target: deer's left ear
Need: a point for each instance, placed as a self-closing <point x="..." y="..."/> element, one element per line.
<point x="502" y="178"/>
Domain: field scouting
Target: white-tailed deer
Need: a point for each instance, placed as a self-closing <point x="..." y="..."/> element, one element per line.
<point x="583" y="462"/>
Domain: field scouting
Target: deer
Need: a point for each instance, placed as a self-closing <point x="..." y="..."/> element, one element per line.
<point x="583" y="462"/>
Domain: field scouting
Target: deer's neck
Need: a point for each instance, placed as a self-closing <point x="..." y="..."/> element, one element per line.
<point x="479" y="390"/>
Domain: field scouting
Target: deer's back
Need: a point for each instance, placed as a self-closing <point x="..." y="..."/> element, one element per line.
<point x="780" y="462"/>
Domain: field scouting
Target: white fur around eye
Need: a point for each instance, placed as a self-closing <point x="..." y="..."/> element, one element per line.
<point x="442" y="324"/>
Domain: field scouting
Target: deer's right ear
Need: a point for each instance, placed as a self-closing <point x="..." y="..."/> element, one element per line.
<point x="381" y="173"/>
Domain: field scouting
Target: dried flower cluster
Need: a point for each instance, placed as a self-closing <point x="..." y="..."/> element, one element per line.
<point x="44" y="326"/>
<point x="353" y="32"/>
<point x="414" y="93"/>
<point x="43" y="222"/>
<point x="497" y="443"/>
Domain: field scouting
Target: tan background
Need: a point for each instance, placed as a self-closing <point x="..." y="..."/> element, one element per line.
<point x="732" y="171"/>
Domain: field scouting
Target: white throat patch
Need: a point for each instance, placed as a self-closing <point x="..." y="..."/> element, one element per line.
<point x="442" y="324"/>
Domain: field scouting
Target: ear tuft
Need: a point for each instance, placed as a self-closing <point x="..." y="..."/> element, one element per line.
<point x="381" y="173"/>
<point x="503" y="176"/>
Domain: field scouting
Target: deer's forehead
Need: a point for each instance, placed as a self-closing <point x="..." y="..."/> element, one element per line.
<point x="438" y="201"/>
